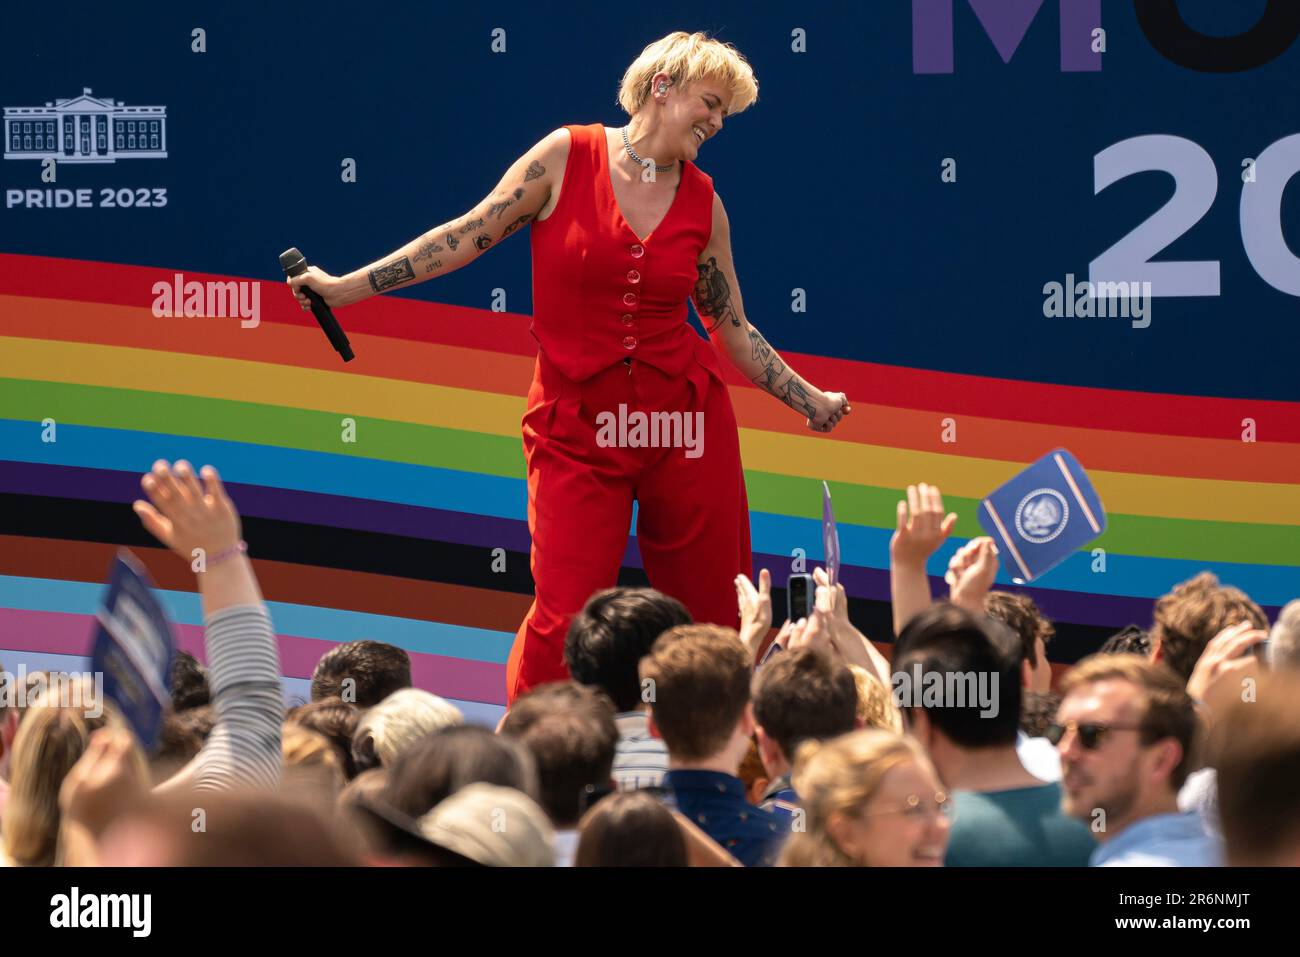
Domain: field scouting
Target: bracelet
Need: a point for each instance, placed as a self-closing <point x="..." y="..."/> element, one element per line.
<point x="239" y="548"/>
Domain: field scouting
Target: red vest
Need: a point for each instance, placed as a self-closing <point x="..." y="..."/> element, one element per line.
<point x="600" y="295"/>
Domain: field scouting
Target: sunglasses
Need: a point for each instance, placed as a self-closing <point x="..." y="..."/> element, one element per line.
<point x="1091" y="734"/>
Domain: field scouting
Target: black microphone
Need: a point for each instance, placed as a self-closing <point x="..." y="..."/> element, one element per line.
<point x="293" y="264"/>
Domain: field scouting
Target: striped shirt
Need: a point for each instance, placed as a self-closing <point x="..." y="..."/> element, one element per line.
<point x="243" y="749"/>
<point x="640" y="761"/>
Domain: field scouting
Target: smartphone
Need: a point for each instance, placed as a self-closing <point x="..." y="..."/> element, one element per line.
<point x="799" y="597"/>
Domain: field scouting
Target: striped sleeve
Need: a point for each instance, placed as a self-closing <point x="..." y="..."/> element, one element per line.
<point x="243" y="749"/>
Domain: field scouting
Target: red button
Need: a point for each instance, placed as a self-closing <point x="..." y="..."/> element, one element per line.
<point x="628" y="320"/>
<point x="629" y="342"/>
<point x="637" y="250"/>
<point x="629" y="299"/>
<point x="633" y="276"/>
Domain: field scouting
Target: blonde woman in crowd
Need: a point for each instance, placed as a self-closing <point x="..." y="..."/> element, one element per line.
<point x="872" y="799"/>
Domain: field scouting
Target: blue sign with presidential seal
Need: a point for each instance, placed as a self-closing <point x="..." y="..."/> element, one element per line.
<point x="1043" y="515"/>
<point x="133" y="649"/>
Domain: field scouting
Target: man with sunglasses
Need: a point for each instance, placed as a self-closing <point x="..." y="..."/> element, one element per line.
<point x="1125" y="732"/>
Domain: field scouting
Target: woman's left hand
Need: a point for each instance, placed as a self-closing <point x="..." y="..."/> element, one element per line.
<point x="831" y="407"/>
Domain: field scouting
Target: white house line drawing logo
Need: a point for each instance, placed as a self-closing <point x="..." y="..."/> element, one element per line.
<point x="85" y="129"/>
<point x="1042" y="515"/>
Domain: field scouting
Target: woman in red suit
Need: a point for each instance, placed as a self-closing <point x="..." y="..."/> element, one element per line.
<point x="625" y="228"/>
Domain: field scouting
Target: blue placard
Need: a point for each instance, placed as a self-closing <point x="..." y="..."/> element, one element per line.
<point x="830" y="538"/>
<point x="1043" y="515"/>
<point x="133" y="648"/>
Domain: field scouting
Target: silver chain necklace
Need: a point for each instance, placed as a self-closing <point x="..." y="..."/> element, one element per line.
<point x="627" y="145"/>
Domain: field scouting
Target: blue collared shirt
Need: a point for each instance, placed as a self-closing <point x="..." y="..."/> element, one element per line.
<point x="1162" y="840"/>
<point x="716" y="802"/>
<point x="780" y="799"/>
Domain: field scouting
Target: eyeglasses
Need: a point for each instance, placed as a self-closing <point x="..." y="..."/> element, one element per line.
<point x="1091" y="734"/>
<point x="915" y="807"/>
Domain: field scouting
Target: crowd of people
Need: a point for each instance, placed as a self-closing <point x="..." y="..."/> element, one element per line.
<point x="675" y="743"/>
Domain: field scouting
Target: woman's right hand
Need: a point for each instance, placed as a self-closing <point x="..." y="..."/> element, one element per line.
<point x="329" y="288"/>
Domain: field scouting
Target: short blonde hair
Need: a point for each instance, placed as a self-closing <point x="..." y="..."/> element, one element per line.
<point x="841" y="776"/>
<point x="876" y="707"/>
<point x="397" y="722"/>
<point x="688" y="58"/>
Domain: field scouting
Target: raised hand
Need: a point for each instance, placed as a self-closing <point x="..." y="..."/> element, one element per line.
<point x="1227" y="659"/>
<point x="184" y="515"/>
<point x="755" y="609"/>
<point x="106" y="781"/>
<point x="922" y="526"/>
<point x="971" y="572"/>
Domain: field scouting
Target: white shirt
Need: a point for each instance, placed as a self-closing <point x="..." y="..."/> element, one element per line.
<point x="640" y="761"/>
<point x="1039" y="757"/>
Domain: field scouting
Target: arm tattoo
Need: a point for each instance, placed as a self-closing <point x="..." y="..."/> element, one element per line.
<point x="426" y="250"/>
<point x="535" y="171"/>
<point x="391" y="274"/>
<point x="713" y="295"/>
<point x="515" y="225"/>
<point x="452" y="242"/>
<point x="767" y="379"/>
<point x="436" y="264"/>
<point x="482" y="241"/>
<point x="791" y="392"/>
<point x="470" y="226"/>
<point x="796" y="397"/>
<point x="496" y="209"/>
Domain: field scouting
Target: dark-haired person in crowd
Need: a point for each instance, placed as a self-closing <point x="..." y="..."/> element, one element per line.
<point x="1125" y="730"/>
<point x="805" y="694"/>
<point x="1020" y="613"/>
<point x="570" y="730"/>
<point x="434" y="769"/>
<point x="1255" y="746"/>
<point x="1129" y="640"/>
<point x="181" y="738"/>
<point x="698" y="683"/>
<point x="630" y="830"/>
<point x="603" y="648"/>
<point x="363" y="673"/>
<point x="1004" y="815"/>
<point x="922" y="528"/>
<point x="189" y="683"/>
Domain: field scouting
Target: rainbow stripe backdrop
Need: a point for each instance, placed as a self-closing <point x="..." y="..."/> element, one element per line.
<point x="391" y="537"/>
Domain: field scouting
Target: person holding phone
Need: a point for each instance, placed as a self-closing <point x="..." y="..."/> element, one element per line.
<point x="625" y="228"/>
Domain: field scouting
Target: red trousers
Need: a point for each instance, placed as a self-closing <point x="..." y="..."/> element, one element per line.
<point x="692" y="512"/>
